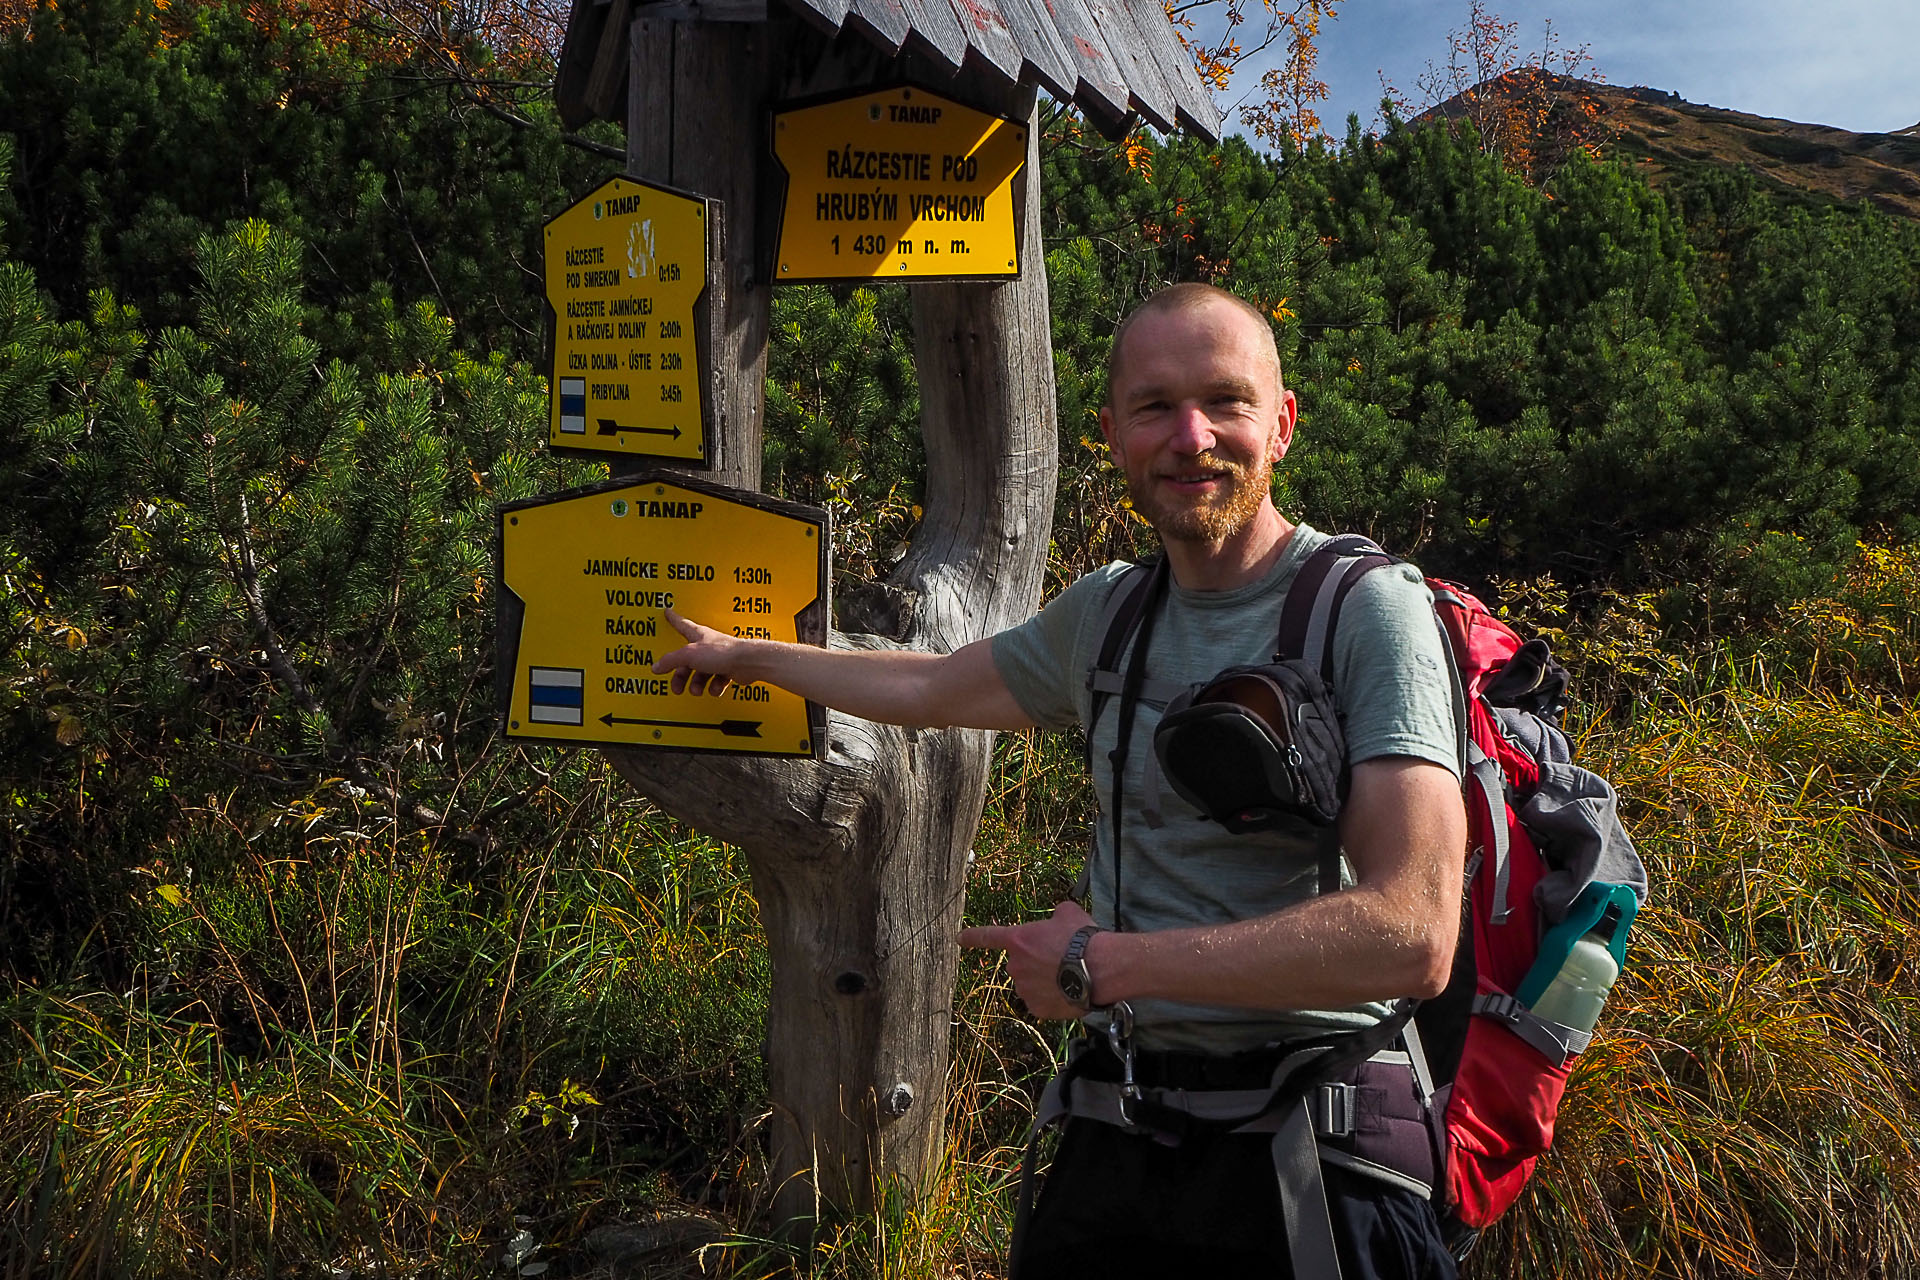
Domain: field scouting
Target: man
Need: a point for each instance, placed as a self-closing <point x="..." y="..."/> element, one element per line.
<point x="1224" y="948"/>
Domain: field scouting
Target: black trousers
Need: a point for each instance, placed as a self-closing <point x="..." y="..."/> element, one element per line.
<point x="1117" y="1205"/>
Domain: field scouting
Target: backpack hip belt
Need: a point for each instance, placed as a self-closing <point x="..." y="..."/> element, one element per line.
<point x="1342" y="1099"/>
<point x="1372" y="1120"/>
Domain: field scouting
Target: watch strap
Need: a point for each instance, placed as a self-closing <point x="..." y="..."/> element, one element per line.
<point x="1074" y="961"/>
<point x="1077" y="944"/>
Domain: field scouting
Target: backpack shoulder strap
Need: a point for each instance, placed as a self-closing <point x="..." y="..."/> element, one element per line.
<point x="1312" y="611"/>
<point x="1307" y="617"/>
<point x="1127" y="603"/>
<point x="1313" y="602"/>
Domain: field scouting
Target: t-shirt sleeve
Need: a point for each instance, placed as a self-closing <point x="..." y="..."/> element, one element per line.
<point x="1043" y="661"/>
<point x="1390" y="671"/>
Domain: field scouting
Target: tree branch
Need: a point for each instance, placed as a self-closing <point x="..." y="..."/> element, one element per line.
<point x="571" y="139"/>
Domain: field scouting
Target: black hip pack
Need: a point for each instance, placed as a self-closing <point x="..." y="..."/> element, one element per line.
<point x="1256" y="745"/>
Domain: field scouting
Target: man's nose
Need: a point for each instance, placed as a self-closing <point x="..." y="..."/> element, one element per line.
<point x="1192" y="430"/>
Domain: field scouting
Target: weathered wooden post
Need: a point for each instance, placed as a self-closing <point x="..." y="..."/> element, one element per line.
<point x="859" y="857"/>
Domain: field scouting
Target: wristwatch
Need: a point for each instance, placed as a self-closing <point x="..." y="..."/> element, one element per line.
<point x="1076" y="984"/>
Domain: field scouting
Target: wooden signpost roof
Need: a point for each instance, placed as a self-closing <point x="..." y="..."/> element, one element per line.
<point x="1117" y="60"/>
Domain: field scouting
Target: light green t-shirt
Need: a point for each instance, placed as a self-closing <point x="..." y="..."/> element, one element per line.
<point x="1395" y="698"/>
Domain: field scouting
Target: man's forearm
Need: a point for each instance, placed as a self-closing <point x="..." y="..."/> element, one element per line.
<point x="894" y="686"/>
<point x="1342" y="949"/>
<point x="1391" y="934"/>
<point x="890" y="686"/>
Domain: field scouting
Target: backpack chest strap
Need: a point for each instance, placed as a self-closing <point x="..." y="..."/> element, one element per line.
<point x="1152" y="692"/>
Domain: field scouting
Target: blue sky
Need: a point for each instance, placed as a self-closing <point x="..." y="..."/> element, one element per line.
<point x="1849" y="63"/>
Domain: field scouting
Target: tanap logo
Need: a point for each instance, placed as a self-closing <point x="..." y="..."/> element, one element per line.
<point x="596" y="211"/>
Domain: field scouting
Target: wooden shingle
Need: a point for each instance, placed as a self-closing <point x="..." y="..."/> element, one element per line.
<point x="1117" y="60"/>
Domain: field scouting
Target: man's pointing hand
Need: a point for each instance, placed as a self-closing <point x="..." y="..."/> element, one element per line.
<point x="1034" y="951"/>
<point x="708" y="662"/>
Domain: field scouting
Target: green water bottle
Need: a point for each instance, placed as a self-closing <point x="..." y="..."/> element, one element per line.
<point x="1578" y="992"/>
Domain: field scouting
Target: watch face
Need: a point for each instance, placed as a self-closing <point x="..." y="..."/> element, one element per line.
<point x="1072" y="986"/>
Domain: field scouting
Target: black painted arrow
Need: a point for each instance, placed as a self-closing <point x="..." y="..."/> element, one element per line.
<point x="608" y="427"/>
<point x="731" y="728"/>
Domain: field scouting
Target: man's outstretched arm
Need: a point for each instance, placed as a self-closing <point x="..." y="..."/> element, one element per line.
<point x="893" y="686"/>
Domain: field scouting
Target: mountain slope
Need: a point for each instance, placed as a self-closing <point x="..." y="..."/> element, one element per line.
<point x="1669" y="133"/>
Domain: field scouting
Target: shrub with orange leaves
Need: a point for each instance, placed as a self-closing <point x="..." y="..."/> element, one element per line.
<point x="1290" y="91"/>
<point x="1531" y="109"/>
<point x="1139" y="155"/>
<point x="515" y="38"/>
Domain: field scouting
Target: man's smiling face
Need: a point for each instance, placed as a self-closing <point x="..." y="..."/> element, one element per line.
<point x="1197" y="419"/>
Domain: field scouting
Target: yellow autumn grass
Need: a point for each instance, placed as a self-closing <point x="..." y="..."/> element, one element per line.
<point x="160" y="1155"/>
<point x="1749" y="1107"/>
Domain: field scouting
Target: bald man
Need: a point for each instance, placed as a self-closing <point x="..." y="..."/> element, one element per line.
<point x="1222" y="950"/>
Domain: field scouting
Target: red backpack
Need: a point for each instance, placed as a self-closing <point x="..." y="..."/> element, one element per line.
<point x="1549" y="865"/>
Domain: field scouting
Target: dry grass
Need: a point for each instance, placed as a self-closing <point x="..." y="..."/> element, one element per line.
<point x="342" y="1057"/>
<point x="160" y="1154"/>
<point x="337" y="1060"/>
<point x="1750" y="1107"/>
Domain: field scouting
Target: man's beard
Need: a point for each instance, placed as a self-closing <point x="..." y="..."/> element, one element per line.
<point x="1209" y="519"/>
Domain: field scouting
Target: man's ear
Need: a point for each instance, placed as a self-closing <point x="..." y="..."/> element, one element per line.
<point x="1287" y="414"/>
<point x="1109" y="431"/>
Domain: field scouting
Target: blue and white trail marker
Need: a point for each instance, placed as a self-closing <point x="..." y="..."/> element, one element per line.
<point x="554" y="695"/>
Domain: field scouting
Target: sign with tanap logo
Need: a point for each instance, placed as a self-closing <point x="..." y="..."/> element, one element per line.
<point x="899" y="184"/>
<point x="583" y="582"/>
<point x="626" y="272"/>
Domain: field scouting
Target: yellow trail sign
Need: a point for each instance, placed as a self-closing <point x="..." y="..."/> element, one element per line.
<point x="626" y="272"/>
<point x="584" y="580"/>
<point x="900" y="184"/>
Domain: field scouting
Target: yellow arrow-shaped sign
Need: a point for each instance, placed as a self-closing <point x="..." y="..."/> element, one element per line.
<point x="584" y="580"/>
<point x="626" y="279"/>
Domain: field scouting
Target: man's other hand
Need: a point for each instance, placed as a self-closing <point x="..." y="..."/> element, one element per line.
<point x="1034" y="951"/>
